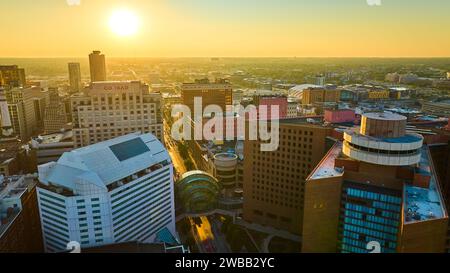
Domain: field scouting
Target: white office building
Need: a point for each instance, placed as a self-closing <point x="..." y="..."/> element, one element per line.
<point x="106" y="110"/>
<point x="120" y="190"/>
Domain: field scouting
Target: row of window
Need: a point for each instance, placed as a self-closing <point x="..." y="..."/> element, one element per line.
<point x="374" y="196"/>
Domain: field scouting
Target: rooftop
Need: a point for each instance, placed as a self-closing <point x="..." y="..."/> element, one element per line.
<point x="106" y="162"/>
<point x="325" y="168"/>
<point x="384" y="116"/>
<point x="421" y="204"/>
<point x="407" y="138"/>
<point x="54" y="138"/>
<point x="11" y="190"/>
<point x="303" y="120"/>
<point x="9" y="150"/>
<point x="225" y="156"/>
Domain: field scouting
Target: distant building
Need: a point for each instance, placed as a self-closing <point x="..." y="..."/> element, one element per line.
<point x="298" y="90"/>
<point x="436" y="108"/>
<point x="392" y="77"/>
<point x="116" y="191"/>
<point x="109" y="109"/>
<point x="169" y="100"/>
<point x="238" y="95"/>
<point x="50" y="147"/>
<point x="97" y="66"/>
<point x="340" y="116"/>
<point x="74" y="77"/>
<point x="320" y="95"/>
<point x="274" y="181"/>
<point x="212" y="93"/>
<point x="12" y="76"/>
<point x="269" y="102"/>
<point x="15" y="158"/>
<point x="27" y="108"/>
<point x="377" y="187"/>
<point x="20" y="229"/>
<point x="320" y="80"/>
<point x="408" y="78"/>
<point x="442" y="84"/>
<point x="292" y="109"/>
<point x="55" y="115"/>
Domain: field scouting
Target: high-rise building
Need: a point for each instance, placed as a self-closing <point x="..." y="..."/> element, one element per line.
<point x="20" y="228"/>
<point x="274" y="181"/>
<point x="97" y="66"/>
<point x="116" y="191"/>
<point x="75" y="77"/>
<point x="7" y="129"/>
<point x="218" y="93"/>
<point x="55" y="116"/>
<point x="109" y="109"/>
<point x="12" y="76"/>
<point x="376" y="188"/>
<point x="27" y="108"/>
<point x="14" y="157"/>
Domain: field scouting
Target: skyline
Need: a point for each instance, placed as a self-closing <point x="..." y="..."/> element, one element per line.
<point x="199" y="28"/>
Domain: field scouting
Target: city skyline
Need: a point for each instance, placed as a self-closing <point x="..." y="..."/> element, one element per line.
<point x="208" y="126"/>
<point x="323" y="28"/>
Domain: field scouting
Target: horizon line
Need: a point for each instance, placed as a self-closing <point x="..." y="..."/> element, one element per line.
<point x="232" y="57"/>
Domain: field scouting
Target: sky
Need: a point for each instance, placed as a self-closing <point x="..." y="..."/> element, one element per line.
<point x="228" y="28"/>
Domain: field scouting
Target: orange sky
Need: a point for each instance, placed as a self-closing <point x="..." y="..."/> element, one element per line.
<point x="232" y="28"/>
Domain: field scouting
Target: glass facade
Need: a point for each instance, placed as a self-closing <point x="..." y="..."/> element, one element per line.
<point x="129" y="149"/>
<point x="368" y="214"/>
<point x="198" y="191"/>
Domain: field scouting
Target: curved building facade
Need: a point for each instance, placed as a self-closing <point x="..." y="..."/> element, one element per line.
<point x="198" y="191"/>
<point x="382" y="140"/>
<point x="225" y="165"/>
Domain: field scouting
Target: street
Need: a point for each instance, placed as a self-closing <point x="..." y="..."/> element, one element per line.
<point x="207" y="235"/>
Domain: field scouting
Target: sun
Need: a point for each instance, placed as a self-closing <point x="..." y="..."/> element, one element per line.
<point x="124" y="22"/>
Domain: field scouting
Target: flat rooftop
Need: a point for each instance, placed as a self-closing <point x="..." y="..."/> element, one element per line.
<point x="384" y="116"/>
<point x="105" y="162"/>
<point x="421" y="204"/>
<point x="326" y="169"/>
<point x="11" y="186"/>
<point x="11" y="189"/>
<point x="407" y="138"/>
<point x="54" y="138"/>
<point x="305" y="120"/>
<point x="9" y="150"/>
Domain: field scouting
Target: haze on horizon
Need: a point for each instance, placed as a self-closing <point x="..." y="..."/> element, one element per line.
<point x="232" y="28"/>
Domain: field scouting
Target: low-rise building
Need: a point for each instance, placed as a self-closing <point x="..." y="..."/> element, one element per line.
<point x="20" y="229"/>
<point x="50" y="147"/>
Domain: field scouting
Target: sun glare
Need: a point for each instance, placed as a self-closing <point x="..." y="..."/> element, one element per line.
<point x="124" y="23"/>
